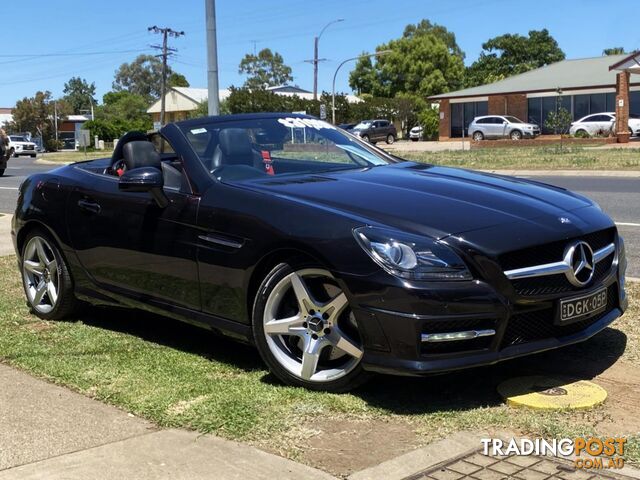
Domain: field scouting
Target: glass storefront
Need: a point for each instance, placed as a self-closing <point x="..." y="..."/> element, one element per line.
<point x="578" y="105"/>
<point x="539" y="108"/>
<point x="462" y="114"/>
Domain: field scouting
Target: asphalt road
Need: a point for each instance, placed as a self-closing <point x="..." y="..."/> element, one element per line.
<point x="618" y="196"/>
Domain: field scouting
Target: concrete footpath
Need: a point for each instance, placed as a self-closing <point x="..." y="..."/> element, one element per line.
<point x="47" y="431"/>
<point x="6" y="245"/>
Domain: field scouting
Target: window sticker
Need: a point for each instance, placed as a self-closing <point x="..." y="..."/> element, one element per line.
<point x="198" y="131"/>
<point x="293" y="122"/>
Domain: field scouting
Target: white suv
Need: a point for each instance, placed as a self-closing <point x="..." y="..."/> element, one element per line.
<point x="603" y="123"/>
<point x="19" y="145"/>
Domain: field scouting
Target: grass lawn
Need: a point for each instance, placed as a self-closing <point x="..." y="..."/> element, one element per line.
<point x="179" y="376"/>
<point x="538" y="158"/>
<point x="69" y="157"/>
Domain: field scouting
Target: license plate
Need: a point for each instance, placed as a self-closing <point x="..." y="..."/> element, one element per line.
<point x="573" y="309"/>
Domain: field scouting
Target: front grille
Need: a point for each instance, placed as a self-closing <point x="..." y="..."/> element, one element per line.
<point x="445" y="326"/>
<point x="28" y="147"/>
<point x="553" y="252"/>
<point x="539" y="325"/>
<point x="552" y="284"/>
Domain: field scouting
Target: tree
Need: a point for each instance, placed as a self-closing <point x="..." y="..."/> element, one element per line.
<point x="79" y="94"/>
<point x="142" y="77"/>
<point x="512" y="54"/>
<point x="267" y="68"/>
<point x="121" y="112"/>
<point x="426" y="27"/>
<point x="363" y="76"/>
<point x="613" y="51"/>
<point x="36" y="115"/>
<point x="177" y="80"/>
<point x="425" y="61"/>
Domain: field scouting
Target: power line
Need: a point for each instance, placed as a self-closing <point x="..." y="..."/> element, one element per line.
<point x="166" y="51"/>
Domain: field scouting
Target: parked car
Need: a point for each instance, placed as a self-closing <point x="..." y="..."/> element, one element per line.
<point x="315" y="252"/>
<point x="20" y="146"/>
<point x="502" y="126"/>
<point x="347" y="126"/>
<point x="415" y="133"/>
<point x="376" y="131"/>
<point x="602" y="123"/>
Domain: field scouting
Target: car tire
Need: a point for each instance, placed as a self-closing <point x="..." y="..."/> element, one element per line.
<point x="582" y="133"/>
<point x="298" y="324"/>
<point x="33" y="156"/>
<point x="515" y="135"/>
<point x="365" y="138"/>
<point x="1" y="172"/>
<point x="390" y="139"/>
<point x="478" y="136"/>
<point x="12" y="153"/>
<point x="46" y="279"/>
<point x="414" y="139"/>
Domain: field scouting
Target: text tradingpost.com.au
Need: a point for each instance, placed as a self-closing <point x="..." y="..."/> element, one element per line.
<point x="590" y="452"/>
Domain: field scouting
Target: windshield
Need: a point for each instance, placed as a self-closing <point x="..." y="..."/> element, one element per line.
<point x="363" y="125"/>
<point x="511" y="119"/>
<point x="17" y="139"/>
<point x="249" y="149"/>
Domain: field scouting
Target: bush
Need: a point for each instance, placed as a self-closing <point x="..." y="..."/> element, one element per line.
<point x="430" y="121"/>
<point x="581" y="134"/>
<point x="53" y="145"/>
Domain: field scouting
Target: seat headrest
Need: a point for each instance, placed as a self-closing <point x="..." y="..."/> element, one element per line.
<point x="235" y="145"/>
<point x="140" y="154"/>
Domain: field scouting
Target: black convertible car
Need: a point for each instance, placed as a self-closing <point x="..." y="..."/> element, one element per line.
<point x="331" y="256"/>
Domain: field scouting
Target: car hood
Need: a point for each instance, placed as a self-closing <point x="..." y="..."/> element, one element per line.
<point x="436" y="201"/>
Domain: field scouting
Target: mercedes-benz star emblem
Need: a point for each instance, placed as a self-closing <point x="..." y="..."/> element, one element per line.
<point x="564" y="220"/>
<point x="579" y="257"/>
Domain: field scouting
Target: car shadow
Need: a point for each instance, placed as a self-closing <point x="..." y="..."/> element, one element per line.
<point x="455" y="391"/>
<point x="474" y="388"/>
<point x="174" y="334"/>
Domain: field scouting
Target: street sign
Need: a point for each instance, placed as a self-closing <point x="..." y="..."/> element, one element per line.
<point x="323" y="111"/>
<point x="84" y="138"/>
<point x="157" y="125"/>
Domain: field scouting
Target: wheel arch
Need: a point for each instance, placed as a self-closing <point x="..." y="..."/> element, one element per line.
<point x="269" y="261"/>
<point x="29" y="227"/>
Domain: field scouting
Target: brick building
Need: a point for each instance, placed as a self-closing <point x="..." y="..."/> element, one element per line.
<point x="589" y="85"/>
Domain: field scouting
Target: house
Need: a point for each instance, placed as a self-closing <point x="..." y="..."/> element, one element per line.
<point x="588" y="85"/>
<point x="69" y="130"/>
<point x="180" y="101"/>
<point x="6" y="116"/>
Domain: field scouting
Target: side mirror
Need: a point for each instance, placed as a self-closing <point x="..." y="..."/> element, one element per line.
<point x="144" y="179"/>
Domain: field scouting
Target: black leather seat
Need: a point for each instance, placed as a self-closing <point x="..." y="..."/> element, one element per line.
<point x="140" y="154"/>
<point x="234" y="148"/>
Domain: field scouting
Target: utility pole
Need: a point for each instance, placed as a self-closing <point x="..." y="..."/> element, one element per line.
<point x="166" y="51"/>
<point x="317" y="60"/>
<point x="212" y="58"/>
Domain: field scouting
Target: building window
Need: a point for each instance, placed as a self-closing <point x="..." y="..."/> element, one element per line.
<point x="580" y="106"/>
<point x="634" y="102"/>
<point x="534" y="109"/>
<point x="462" y="114"/>
<point x="598" y="103"/>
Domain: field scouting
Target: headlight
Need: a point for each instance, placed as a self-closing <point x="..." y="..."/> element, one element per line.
<point x="411" y="256"/>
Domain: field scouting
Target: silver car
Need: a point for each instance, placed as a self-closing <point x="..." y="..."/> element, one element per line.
<point x="502" y="126"/>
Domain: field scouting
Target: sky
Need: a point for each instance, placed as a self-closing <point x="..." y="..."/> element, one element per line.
<point x="46" y="42"/>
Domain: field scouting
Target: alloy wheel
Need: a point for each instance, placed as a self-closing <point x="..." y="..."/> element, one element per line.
<point x="478" y="136"/>
<point x="41" y="275"/>
<point x="309" y="327"/>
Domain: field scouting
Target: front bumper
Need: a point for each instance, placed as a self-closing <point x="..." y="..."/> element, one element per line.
<point x="392" y="317"/>
<point x="531" y="133"/>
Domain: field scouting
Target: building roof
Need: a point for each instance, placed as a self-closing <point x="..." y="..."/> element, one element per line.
<point x="180" y="99"/>
<point x="629" y="63"/>
<point x="287" y="89"/>
<point x="567" y="75"/>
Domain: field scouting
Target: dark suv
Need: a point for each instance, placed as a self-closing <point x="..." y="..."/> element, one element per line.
<point x="375" y="131"/>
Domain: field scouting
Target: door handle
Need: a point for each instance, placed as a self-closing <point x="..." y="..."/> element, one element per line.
<point x="89" y="206"/>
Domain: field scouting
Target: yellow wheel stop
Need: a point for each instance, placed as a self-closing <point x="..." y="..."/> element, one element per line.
<point x="551" y="393"/>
